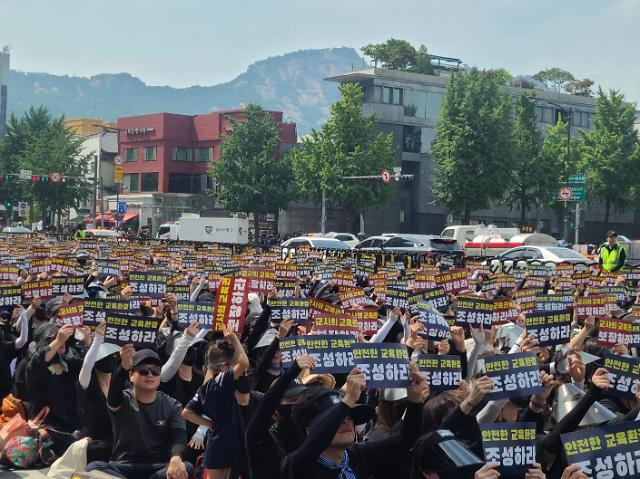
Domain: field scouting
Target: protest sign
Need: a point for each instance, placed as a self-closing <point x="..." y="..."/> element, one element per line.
<point x="201" y="312"/>
<point x="474" y="312"/>
<point x="65" y="265"/>
<point x="129" y="329"/>
<point x="424" y="281"/>
<point x="597" y="305"/>
<point x="182" y="292"/>
<point x="549" y="327"/>
<point x="613" y="331"/>
<point x="260" y="280"/>
<point x="231" y="303"/>
<point x="504" y="311"/>
<point x="367" y="319"/>
<point x="332" y="353"/>
<point x="285" y="288"/>
<point x="581" y="278"/>
<point x="107" y="267"/>
<point x="336" y="324"/>
<point x="623" y="375"/>
<point x="74" y="285"/>
<point x="526" y="298"/>
<point x="10" y="295"/>
<point x="354" y="297"/>
<point x="296" y="309"/>
<point x="608" y="451"/>
<point x="513" y="375"/>
<point x="37" y="289"/>
<point x="453" y="281"/>
<point x="512" y="445"/>
<point x="40" y="266"/>
<point x="618" y="291"/>
<point x="397" y="298"/>
<point x="148" y="284"/>
<point x="286" y="271"/>
<point x="553" y="302"/>
<point x="437" y="297"/>
<point x="384" y="365"/>
<point x="70" y="315"/>
<point x="319" y="306"/>
<point x="95" y="310"/>
<point x="434" y="324"/>
<point x="8" y="273"/>
<point x="441" y="372"/>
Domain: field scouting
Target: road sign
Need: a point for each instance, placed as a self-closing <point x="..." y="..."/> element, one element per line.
<point x="565" y="194"/>
<point x="118" y="174"/>
<point x="55" y="177"/>
<point x="574" y="193"/>
<point x="23" y="205"/>
<point x="577" y="178"/>
<point x="118" y="160"/>
<point x="386" y="176"/>
<point x="25" y="174"/>
<point x="122" y="207"/>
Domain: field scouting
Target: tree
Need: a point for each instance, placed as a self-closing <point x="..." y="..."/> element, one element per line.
<point x="501" y="75"/>
<point x="40" y="143"/>
<point x="555" y="78"/>
<point x="472" y="149"/>
<point x="610" y="154"/>
<point x="422" y="62"/>
<point x="347" y="145"/>
<point x="579" y="87"/>
<point x="529" y="179"/>
<point x="397" y="54"/>
<point x="253" y="179"/>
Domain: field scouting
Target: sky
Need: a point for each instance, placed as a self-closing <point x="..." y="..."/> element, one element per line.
<point x="204" y="42"/>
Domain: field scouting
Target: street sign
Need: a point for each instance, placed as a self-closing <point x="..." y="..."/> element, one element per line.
<point x="565" y="194"/>
<point x="574" y="193"/>
<point x="25" y="174"/>
<point x="385" y="176"/>
<point x="55" y="177"/>
<point x="577" y="178"/>
<point x="118" y="174"/>
<point x="122" y="207"/>
<point x="118" y="160"/>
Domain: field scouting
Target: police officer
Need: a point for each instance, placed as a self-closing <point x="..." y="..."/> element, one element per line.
<point x="612" y="254"/>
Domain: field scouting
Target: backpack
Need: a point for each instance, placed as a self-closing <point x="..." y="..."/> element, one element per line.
<point x="11" y="406"/>
<point x="29" y="445"/>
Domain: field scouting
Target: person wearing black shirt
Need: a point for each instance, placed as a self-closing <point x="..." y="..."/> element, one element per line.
<point x="149" y="432"/>
<point x="329" y="451"/>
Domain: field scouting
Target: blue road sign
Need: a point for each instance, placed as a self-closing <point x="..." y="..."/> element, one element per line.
<point x="122" y="207"/>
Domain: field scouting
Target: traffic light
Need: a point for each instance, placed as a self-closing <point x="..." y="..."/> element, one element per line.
<point x="6" y="177"/>
<point x="39" y="179"/>
<point x="9" y="204"/>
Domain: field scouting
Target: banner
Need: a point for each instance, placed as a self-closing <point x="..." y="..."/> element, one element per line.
<point x="397" y="298"/>
<point x="10" y="295"/>
<point x="231" y="304"/>
<point x="513" y="375"/>
<point x="504" y="311"/>
<point x="65" y="266"/>
<point x="526" y="298"/>
<point x="336" y="324"/>
<point x="385" y="365"/>
<point x="553" y="302"/>
<point x="607" y="451"/>
<point x="367" y="319"/>
<point x="95" y="310"/>
<point x="70" y="315"/>
<point x="623" y="375"/>
<point x="474" y="312"/>
<point x="453" y="281"/>
<point x="549" y="328"/>
<point x="332" y="353"/>
<point x="441" y="372"/>
<point x="202" y="312"/>
<point x="354" y="297"/>
<point x="108" y="267"/>
<point x="296" y="309"/>
<point x="183" y="293"/>
<point x="8" y="273"/>
<point x="614" y="331"/>
<point x="319" y="306"/>
<point x="128" y="329"/>
<point x="285" y="288"/>
<point x="512" y="445"/>
<point x="148" y="284"/>
<point x="618" y="291"/>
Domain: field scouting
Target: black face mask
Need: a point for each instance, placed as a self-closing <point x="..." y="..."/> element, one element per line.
<point x="107" y="365"/>
<point x="242" y="385"/>
<point x="284" y="411"/>
<point x="190" y="357"/>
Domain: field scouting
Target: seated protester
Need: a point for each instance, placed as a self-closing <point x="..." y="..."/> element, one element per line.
<point x="149" y="434"/>
<point x="329" y="420"/>
<point x="226" y="362"/>
<point x="51" y="376"/>
<point x="92" y="389"/>
<point x="268" y="442"/>
<point x="10" y="345"/>
<point x="438" y="454"/>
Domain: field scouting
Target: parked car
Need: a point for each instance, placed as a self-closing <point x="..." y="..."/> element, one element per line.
<point x="317" y="242"/>
<point x="16" y="230"/>
<point x="372" y="243"/>
<point x="422" y="244"/>
<point x="523" y="255"/>
<point x="347" y="238"/>
<point x="103" y="233"/>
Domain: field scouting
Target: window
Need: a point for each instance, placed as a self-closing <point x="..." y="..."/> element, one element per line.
<point x="130" y="155"/>
<point x="412" y="139"/>
<point x="202" y="183"/>
<point x="149" y="182"/>
<point x="399" y="243"/>
<point x="150" y="153"/>
<point x="415" y="103"/>
<point x="179" y="183"/>
<point x="392" y="95"/>
<point x="130" y="182"/>
<point x="539" y="110"/>
<point x="179" y="153"/>
<point x="434" y="100"/>
<point x="204" y="154"/>
<point x="516" y="254"/>
<point x="547" y="115"/>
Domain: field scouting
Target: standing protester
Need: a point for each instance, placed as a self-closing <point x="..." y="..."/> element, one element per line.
<point x="612" y="255"/>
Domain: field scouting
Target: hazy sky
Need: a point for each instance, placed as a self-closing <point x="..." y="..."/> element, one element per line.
<point x="188" y="42"/>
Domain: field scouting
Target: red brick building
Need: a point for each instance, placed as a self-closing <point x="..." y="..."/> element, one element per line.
<point x="171" y="153"/>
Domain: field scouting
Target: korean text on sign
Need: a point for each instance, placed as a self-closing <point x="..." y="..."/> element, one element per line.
<point x="384" y="365"/>
<point x="332" y="353"/>
<point x="513" y="375"/>
<point x="441" y="372"/>
<point x="549" y="327"/>
<point x="512" y="445"/>
<point x="231" y="303"/>
<point x="129" y="329"/>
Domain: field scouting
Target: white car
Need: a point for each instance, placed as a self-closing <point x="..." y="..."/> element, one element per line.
<point x="16" y="229"/>
<point x="318" y="242"/>
<point x="346" y="238"/>
<point x="521" y="255"/>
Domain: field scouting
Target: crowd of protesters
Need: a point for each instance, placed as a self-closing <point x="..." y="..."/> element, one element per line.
<point x="207" y="399"/>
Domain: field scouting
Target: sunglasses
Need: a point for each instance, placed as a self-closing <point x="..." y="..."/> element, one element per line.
<point x="144" y="371"/>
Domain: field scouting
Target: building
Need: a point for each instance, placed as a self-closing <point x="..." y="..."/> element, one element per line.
<point x="167" y="157"/>
<point x="407" y="105"/>
<point x="5" y="58"/>
<point x="88" y="126"/>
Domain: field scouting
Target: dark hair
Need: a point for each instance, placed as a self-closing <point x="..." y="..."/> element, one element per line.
<point x="219" y="352"/>
<point x="436" y="409"/>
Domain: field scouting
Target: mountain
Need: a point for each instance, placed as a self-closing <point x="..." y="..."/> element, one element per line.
<point x="292" y="83"/>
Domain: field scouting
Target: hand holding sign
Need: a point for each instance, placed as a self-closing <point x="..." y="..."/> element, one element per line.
<point x="488" y="471"/>
<point x="354" y="386"/>
<point x="601" y="379"/>
<point x="126" y="356"/>
<point x="479" y="388"/>
<point x="577" y="369"/>
<point x="574" y="471"/>
<point x="418" y="389"/>
<point x="306" y="362"/>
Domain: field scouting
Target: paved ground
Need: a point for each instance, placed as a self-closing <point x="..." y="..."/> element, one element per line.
<point x="33" y="474"/>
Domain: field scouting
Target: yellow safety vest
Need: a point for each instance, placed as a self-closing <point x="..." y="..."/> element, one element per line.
<point x="610" y="258"/>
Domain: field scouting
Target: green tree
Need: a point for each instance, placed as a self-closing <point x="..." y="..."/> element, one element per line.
<point x="501" y="75"/>
<point x="397" y="54"/>
<point x="610" y="154"/>
<point x="40" y="143"/>
<point x="473" y="145"/>
<point x="253" y="179"/>
<point x="528" y="178"/>
<point x="555" y="78"/>
<point x="347" y="145"/>
<point x="579" y="87"/>
<point x="422" y="63"/>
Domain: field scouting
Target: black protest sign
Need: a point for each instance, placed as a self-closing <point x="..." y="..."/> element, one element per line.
<point x="513" y="375"/>
<point x="553" y="302"/>
<point x="434" y="325"/>
<point x="618" y="291"/>
<point x="441" y="372"/>
<point x="129" y="329"/>
<point x="397" y="297"/>
<point x="37" y="289"/>
<point x="526" y="298"/>
<point x="436" y="297"/>
<point x="74" y="285"/>
<point x="609" y="451"/>
<point x="512" y="445"/>
<point x="336" y="324"/>
<point x="182" y="292"/>
<point x="95" y="310"/>
<point x="332" y="353"/>
<point x="10" y="295"/>
<point x="201" y="312"/>
<point x="367" y="319"/>
<point x="549" y="327"/>
<point x="504" y="310"/>
<point x="8" y="272"/>
<point x="296" y="309"/>
<point x="596" y="305"/>
<point x="352" y="297"/>
<point x="614" y="331"/>
<point x="474" y="312"/>
<point x="148" y="284"/>
<point x="384" y="365"/>
<point x="286" y="288"/>
<point x="453" y="281"/>
<point x="108" y="267"/>
<point x="623" y="375"/>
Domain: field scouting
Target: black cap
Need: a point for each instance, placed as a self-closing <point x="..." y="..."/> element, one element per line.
<point x="316" y="404"/>
<point x="295" y="388"/>
<point x="612" y="234"/>
<point x="146" y="356"/>
<point x="440" y="452"/>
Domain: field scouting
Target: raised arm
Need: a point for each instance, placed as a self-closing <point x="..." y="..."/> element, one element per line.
<point x="117" y="384"/>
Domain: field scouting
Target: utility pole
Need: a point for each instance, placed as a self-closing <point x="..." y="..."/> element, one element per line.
<point x="577" y="232"/>
<point x="95" y="189"/>
<point x="323" y="219"/>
